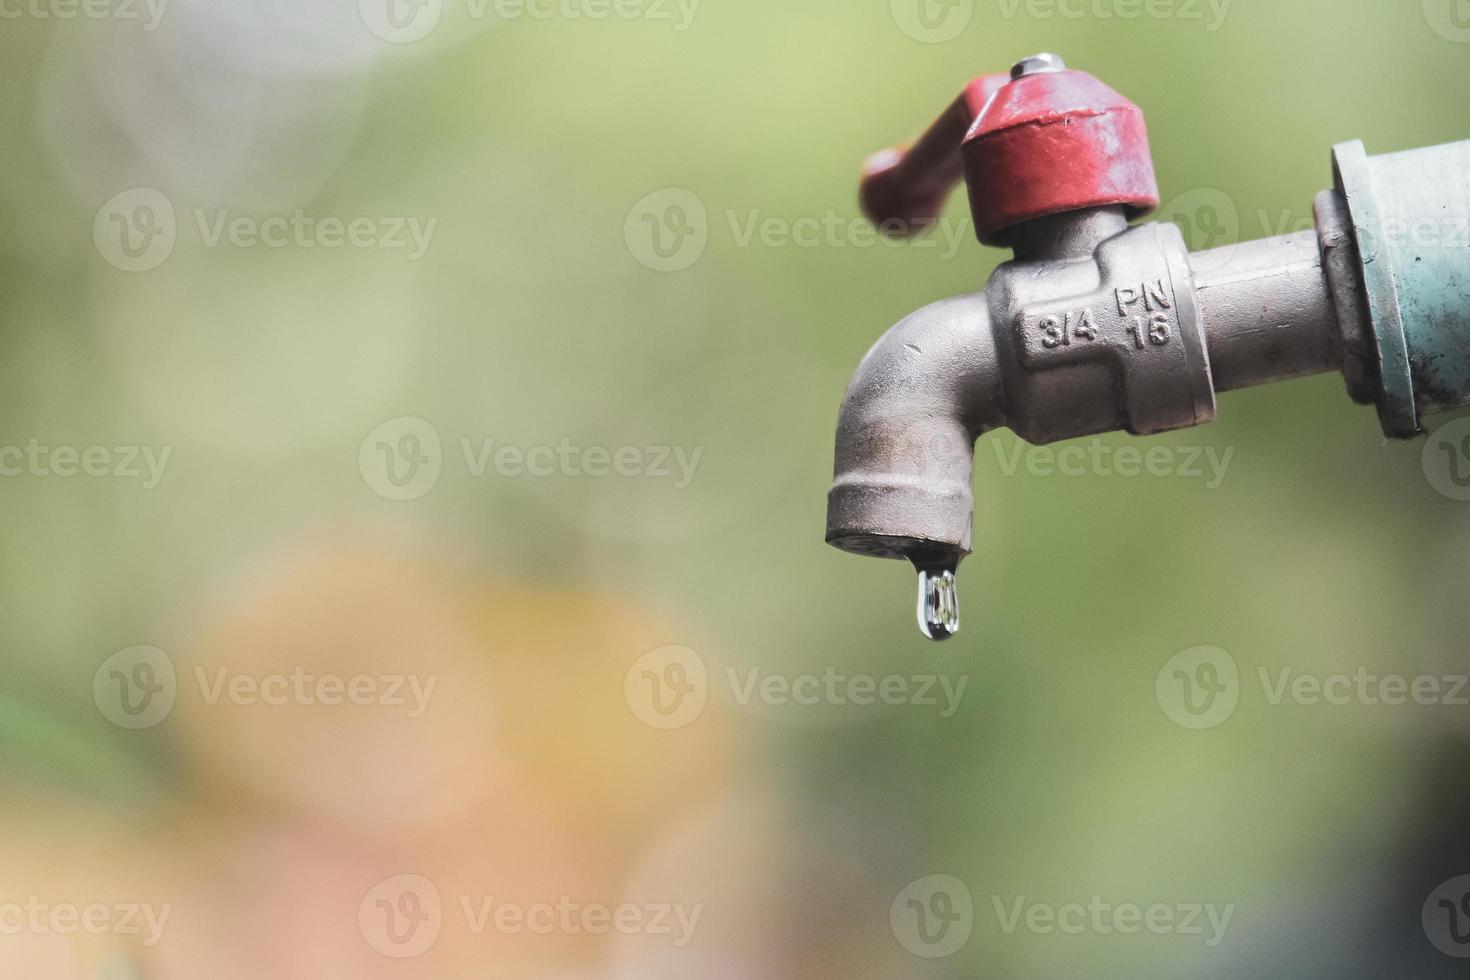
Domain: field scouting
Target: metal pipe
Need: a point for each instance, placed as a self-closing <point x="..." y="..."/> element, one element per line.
<point x="1267" y="311"/>
<point x="1071" y="235"/>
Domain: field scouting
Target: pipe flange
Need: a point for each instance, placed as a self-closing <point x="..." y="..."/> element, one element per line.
<point x="1390" y="347"/>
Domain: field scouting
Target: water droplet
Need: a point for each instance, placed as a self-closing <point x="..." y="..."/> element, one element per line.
<point x="939" y="602"/>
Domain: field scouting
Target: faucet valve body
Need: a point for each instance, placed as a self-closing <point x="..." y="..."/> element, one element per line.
<point x="1096" y="326"/>
<point x="1110" y="342"/>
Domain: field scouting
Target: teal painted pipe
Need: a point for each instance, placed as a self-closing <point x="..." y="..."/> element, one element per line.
<point x="1410" y="220"/>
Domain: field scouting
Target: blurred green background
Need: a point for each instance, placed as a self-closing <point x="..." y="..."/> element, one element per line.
<point x="546" y="152"/>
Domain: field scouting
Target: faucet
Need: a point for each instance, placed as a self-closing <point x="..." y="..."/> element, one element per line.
<point x="1099" y="324"/>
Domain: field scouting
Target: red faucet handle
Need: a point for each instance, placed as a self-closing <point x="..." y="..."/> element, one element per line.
<point x="1051" y="141"/>
<point x="904" y="188"/>
<point x="1037" y="141"/>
